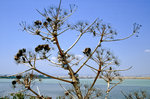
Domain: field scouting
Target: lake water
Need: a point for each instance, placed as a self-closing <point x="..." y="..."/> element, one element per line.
<point x="51" y="87"/>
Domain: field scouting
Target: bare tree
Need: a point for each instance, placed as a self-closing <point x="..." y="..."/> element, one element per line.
<point x="55" y="24"/>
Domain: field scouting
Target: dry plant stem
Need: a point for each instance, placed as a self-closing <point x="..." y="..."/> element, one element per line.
<point x="53" y="62"/>
<point x="19" y="91"/>
<point x="106" y="65"/>
<point x="74" y="79"/>
<point x="98" y="73"/>
<point x="65" y="18"/>
<point x="34" y="92"/>
<point x="63" y="31"/>
<point x="58" y="9"/>
<point x="38" y="91"/>
<point x="107" y="92"/>
<point x="106" y="95"/>
<point x="124" y="95"/>
<point x="43" y="36"/>
<point x="108" y="83"/>
<point x="68" y="91"/>
<point x="114" y="86"/>
<point x="44" y="32"/>
<point x="51" y="76"/>
<point x="40" y="13"/>
<point x="120" y="39"/>
<point x="48" y="31"/>
<point x="79" y="37"/>
<point x="77" y="61"/>
<point x="54" y="65"/>
<point x="34" y="62"/>
<point x="99" y="44"/>
<point x="95" y="60"/>
<point x="99" y="70"/>
<point x="91" y="67"/>
<point x="20" y="73"/>
<point x="109" y="89"/>
<point x="75" y="42"/>
<point x="118" y="70"/>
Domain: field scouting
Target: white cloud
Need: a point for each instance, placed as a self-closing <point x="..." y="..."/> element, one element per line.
<point x="54" y="58"/>
<point x="79" y="56"/>
<point x="147" y="50"/>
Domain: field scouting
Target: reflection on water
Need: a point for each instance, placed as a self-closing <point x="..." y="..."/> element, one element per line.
<point x="50" y="87"/>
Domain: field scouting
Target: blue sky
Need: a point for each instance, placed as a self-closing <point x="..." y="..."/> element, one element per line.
<point x="121" y="14"/>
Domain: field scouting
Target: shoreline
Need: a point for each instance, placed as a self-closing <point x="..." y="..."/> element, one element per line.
<point x="92" y="77"/>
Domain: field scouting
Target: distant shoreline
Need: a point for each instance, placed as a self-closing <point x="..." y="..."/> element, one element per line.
<point x="135" y="77"/>
<point x="63" y="77"/>
<point x="115" y="78"/>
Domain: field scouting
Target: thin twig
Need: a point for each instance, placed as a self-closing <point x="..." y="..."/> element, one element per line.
<point x="38" y="90"/>
<point x="98" y="73"/>
<point x="99" y="44"/>
<point x="74" y="43"/>
<point x="120" y="39"/>
<point x="63" y="31"/>
<point x="53" y="62"/>
<point x="79" y="37"/>
<point x="118" y="70"/>
<point x="64" y="19"/>
<point x="34" y="92"/>
<point x="51" y="76"/>
<point x="58" y="10"/>
<point x="20" y="73"/>
<point x="40" y="13"/>
<point x="114" y="86"/>
<point x="68" y="92"/>
<point x="106" y="65"/>
<point x="77" y="61"/>
<point x="91" y="67"/>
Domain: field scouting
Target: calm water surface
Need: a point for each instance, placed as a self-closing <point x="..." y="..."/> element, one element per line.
<point x="51" y="87"/>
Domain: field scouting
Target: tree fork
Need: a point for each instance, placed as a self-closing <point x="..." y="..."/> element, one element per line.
<point x="72" y="74"/>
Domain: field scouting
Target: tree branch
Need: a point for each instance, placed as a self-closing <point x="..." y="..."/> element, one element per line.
<point x="52" y="76"/>
<point x="118" y="70"/>
<point x="120" y="39"/>
<point x="99" y="44"/>
<point x="91" y="67"/>
<point x="79" y="37"/>
<point x="20" y="73"/>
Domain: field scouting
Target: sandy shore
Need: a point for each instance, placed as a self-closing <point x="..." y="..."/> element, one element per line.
<point x="135" y="77"/>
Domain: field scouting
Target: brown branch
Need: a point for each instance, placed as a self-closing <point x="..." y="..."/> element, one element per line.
<point x="40" y="13"/>
<point x="113" y="86"/>
<point x="109" y="89"/>
<point x="68" y="92"/>
<point x="118" y="70"/>
<point x="99" y="44"/>
<point x="72" y="74"/>
<point x="64" y="19"/>
<point x="79" y="37"/>
<point x="34" y="92"/>
<point x="91" y="67"/>
<point x="20" y="73"/>
<point x="52" y="76"/>
<point x="76" y="62"/>
<point x="52" y="62"/>
<point x="120" y="39"/>
<point x="98" y="73"/>
<point x="63" y="31"/>
<point x="58" y="10"/>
